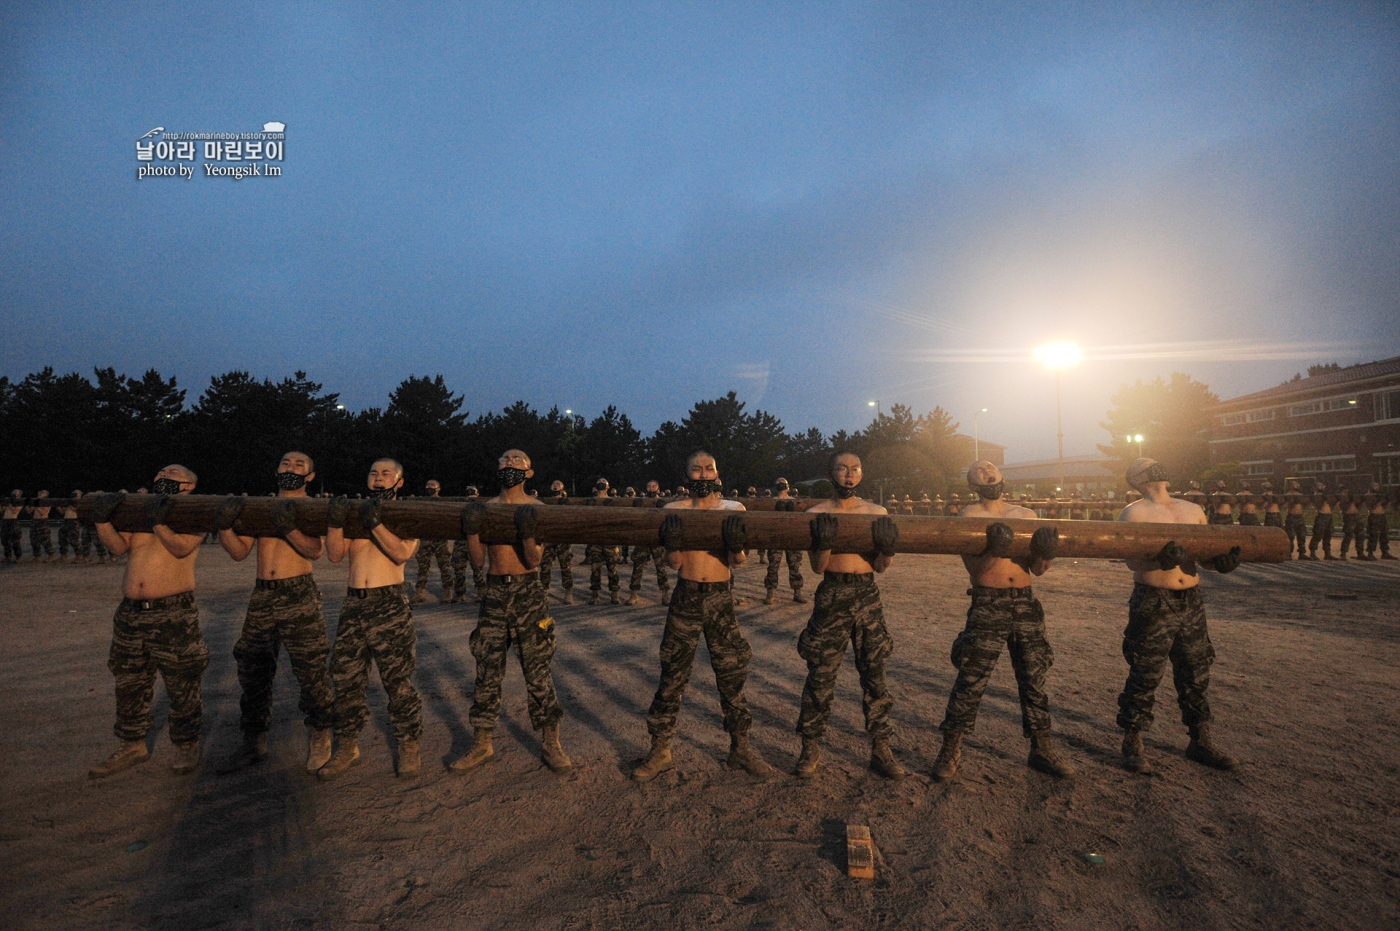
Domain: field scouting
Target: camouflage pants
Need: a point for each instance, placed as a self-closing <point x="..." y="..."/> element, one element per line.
<point x="597" y="557"/>
<point x="91" y="541"/>
<point x="1321" y="534"/>
<point x="513" y="610"/>
<point x="11" y="539"/>
<point x="461" y="562"/>
<point x="1249" y="519"/>
<point x="1377" y="534"/>
<point x="794" y="566"/>
<point x="158" y="636"/>
<point x="1352" y="533"/>
<point x="1010" y="616"/>
<point x="1273" y="519"/>
<point x="40" y="539"/>
<point x="1223" y="519"/>
<point x="562" y="553"/>
<point x="846" y="610"/>
<point x="284" y="613"/>
<point x="641" y="555"/>
<point x="698" y="607"/>
<point x="68" y="537"/>
<point x="442" y="550"/>
<point x="1297" y="530"/>
<point x="376" y="624"/>
<point x="1165" y="624"/>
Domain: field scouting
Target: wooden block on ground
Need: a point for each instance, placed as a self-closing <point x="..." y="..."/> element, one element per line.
<point x="860" y="852"/>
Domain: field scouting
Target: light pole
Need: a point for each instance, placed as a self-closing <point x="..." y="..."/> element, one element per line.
<point x="976" y="444"/>
<point x="1057" y="357"/>
<point x="1135" y="438"/>
<point x="875" y="404"/>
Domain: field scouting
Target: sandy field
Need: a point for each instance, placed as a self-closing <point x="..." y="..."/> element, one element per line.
<point x="1304" y="835"/>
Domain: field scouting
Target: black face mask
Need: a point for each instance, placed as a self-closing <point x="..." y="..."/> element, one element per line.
<point x="290" y="481"/>
<point x="989" y="492"/>
<point x="653" y="494"/>
<point x="843" y="492"/>
<point x="165" y="486"/>
<point x="383" y="494"/>
<point x="701" y="487"/>
<point x="509" y="477"/>
<point x="432" y="492"/>
<point x="1155" y="473"/>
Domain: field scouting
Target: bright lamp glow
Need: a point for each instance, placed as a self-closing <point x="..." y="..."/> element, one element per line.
<point x="1060" y="354"/>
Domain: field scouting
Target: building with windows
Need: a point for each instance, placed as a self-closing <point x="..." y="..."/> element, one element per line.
<point x="1084" y="475"/>
<point x="1342" y="427"/>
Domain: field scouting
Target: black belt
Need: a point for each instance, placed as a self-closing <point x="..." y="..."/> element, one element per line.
<point x="703" y="586"/>
<point x="849" y="577"/>
<point x="155" y="604"/>
<point x="267" y="584"/>
<point x="511" y="579"/>
<point x="1174" y="592"/>
<point x="1014" y="593"/>
<point x="379" y="590"/>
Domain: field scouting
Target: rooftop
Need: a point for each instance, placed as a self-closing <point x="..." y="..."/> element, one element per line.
<point x="1349" y="375"/>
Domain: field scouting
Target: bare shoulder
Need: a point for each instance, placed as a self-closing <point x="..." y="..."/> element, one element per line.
<point x="870" y="507"/>
<point x="497" y="499"/>
<point x="974" y="510"/>
<point x="1188" y="513"/>
<point x="1019" y="513"/>
<point x="822" y="507"/>
<point x="1133" y="513"/>
<point x="685" y="503"/>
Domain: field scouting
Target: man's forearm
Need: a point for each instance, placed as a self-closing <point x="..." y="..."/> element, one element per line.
<point x="177" y="545"/>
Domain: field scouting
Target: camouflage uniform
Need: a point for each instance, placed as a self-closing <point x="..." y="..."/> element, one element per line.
<point x="375" y="624"/>
<point x="158" y="635"/>
<point x="563" y="553"/>
<point x="1010" y="616"/>
<point x="285" y="612"/>
<point x="1297" y="530"/>
<point x="846" y="610"/>
<point x="794" y="567"/>
<point x="11" y="539"/>
<point x="442" y="549"/>
<point x="91" y="541"/>
<point x="1165" y="624"/>
<point x="1273" y="518"/>
<point x="513" y="610"/>
<point x="68" y="536"/>
<point x="1321" y="534"/>
<point x="1377" y="535"/>
<point x="1352" y="533"/>
<point x="599" y="556"/>
<point x="697" y="607"/>
<point x="461" y="561"/>
<point x="641" y="555"/>
<point x="1217" y="518"/>
<point x="40" y="538"/>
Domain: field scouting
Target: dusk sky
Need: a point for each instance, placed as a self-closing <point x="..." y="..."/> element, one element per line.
<point x="814" y="205"/>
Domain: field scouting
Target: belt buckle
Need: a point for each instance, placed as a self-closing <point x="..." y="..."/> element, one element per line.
<point x="144" y="605"/>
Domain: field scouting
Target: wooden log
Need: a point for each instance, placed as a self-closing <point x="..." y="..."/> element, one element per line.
<point x="431" y="519"/>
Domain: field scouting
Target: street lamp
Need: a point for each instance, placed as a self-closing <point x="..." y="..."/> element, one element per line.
<point x="976" y="447"/>
<point x="875" y="404"/>
<point x="1135" y="438"/>
<point x="1057" y="357"/>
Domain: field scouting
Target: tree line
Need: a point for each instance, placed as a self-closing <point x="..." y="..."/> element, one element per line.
<point x="110" y="430"/>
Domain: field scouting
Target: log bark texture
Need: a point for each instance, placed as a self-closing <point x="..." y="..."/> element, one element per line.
<point x="431" y="519"/>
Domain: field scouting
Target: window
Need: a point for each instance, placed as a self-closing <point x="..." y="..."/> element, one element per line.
<point x="1259" y="467"/>
<point x="1388" y="469"/>
<point x="1330" y="464"/>
<point x="1388" y="405"/>
<point x="1321" y="407"/>
<point x="1230" y="420"/>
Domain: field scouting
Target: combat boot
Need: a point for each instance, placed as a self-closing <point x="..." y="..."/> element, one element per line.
<point x="631" y="599"/>
<point x="614" y="598"/>
<point x="882" y="759"/>
<point x="409" y="761"/>
<point x="798" y="597"/>
<point x="594" y="597"/>
<point x="1386" y="556"/>
<point x="552" y="753"/>
<point x="346" y="755"/>
<point x="768" y="598"/>
<point x="742" y="756"/>
<point x="665" y="598"/>
<point x="186" y="758"/>
<point x="1134" y="757"/>
<point x="253" y="752"/>
<point x="568" y="596"/>
<point x="658" y="761"/>
<point x="318" y="749"/>
<point x="1045" y="758"/>
<point x="418" y="598"/>
<point x="448" y="595"/>
<point x="946" y="766"/>
<point x="808" y="761"/>
<point x="1202" y="750"/>
<point x="480" y="752"/>
<point x="130" y="753"/>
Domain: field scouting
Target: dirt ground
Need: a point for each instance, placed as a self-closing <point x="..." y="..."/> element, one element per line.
<point x="1306" y="691"/>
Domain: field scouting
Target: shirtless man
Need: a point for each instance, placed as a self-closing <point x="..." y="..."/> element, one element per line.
<point x="513" y="610"/>
<point x="847" y="609"/>
<point x="1166" y="619"/>
<point x="598" y="556"/>
<point x="68" y="528"/>
<point x="562" y="553"/>
<point x="9" y="526"/>
<point x="460" y="563"/>
<point x="40" y="539"/>
<point x="1273" y="515"/>
<point x="284" y="610"/>
<point x="427" y="550"/>
<point x="702" y="601"/>
<point x="1004" y="611"/>
<point x="641" y="555"/>
<point x="155" y="629"/>
<point x="776" y="557"/>
<point x="1351" y="525"/>
<point x="376" y="624"/>
<point x="1221" y="502"/>
<point x="1293" y="522"/>
<point x="1377" y="527"/>
<point x="1322" y="523"/>
<point x="1249" y="509"/>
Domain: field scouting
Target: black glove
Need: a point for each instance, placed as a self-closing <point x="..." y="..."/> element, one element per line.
<point x="1045" y="543"/>
<point x="734" y="533"/>
<point x="670" y="532"/>
<point x="103" y="507"/>
<point x="283" y="515"/>
<point x="526" y="519"/>
<point x="785" y="505"/>
<point x="158" y="508"/>
<point x="999" y="540"/>
<point x="1170" y="556"/>
<point x="1228" y="562"/>
<point x="338" y="510"/>
<point x="824" y="528"/>
<point x="885" y="533"/>
<point x="369" y="513"/>
<point x="228" y="512"/>
<point x="472" y="516"/>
